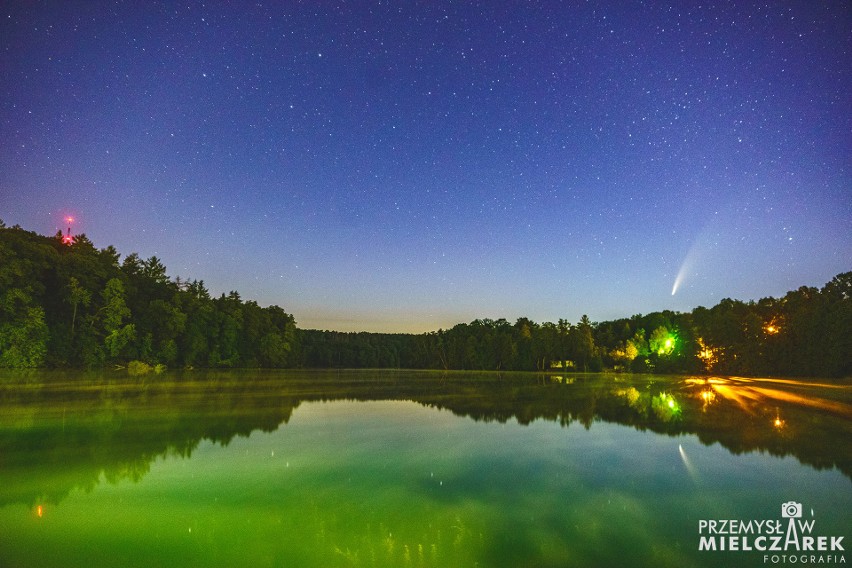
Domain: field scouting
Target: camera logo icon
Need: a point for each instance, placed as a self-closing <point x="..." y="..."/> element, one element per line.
<point x="791" y="510"/>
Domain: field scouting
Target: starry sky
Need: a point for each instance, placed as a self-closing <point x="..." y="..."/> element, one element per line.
<point x="406" y="166"/>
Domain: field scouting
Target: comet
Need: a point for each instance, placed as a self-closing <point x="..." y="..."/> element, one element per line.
<point x="678" y="279"/>
<point x="708" y="247"/>
<point x="700" y="248"/>
<point x="685" y="267"/>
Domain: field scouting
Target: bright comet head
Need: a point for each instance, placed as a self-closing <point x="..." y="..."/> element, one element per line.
<point x="680" y="275"/>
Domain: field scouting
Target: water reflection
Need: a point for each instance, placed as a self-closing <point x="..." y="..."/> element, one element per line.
<point x="60" y="432"/>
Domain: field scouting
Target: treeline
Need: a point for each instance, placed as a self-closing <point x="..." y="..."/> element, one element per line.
<point x="75" y="305"/>
<point x="808" y="332"/>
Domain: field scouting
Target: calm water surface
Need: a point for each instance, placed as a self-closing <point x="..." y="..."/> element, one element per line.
<point x="413" y="469"/>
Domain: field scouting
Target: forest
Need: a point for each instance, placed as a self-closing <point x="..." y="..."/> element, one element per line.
<point x="69" y="304"/>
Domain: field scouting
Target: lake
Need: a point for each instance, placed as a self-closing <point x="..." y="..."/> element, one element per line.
<point x="400" y="468"/>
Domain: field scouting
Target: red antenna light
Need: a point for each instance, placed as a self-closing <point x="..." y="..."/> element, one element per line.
<point x="67" y="239"/>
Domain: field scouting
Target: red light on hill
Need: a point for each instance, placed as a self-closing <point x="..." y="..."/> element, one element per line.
<point x="67" y="239"/>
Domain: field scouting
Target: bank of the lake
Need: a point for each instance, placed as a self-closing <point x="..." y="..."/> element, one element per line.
<point x="396" y="468"/>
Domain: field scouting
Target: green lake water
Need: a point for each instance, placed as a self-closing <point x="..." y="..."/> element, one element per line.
<point x="398" y="468"/>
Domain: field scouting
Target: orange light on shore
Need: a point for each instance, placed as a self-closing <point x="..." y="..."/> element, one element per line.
<point x="708" y="355"/>
<point x="39" y="511"/>
<point x="771" y="327"/>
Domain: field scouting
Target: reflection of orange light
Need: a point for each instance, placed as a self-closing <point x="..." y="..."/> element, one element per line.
<point x="791" y="382"/>
<point x="39" y="511"/>
<point x="705" y="381"/>
<point x="708" y="396"/>
<point x="743" y="392"/>
<point x="840" y="408"/>
<point x="739" y="396"/>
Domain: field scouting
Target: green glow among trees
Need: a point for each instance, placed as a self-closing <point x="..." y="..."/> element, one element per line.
<point x="662" y="342"/>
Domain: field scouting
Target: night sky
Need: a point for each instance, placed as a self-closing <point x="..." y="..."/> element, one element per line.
<point x="405" y="166"/>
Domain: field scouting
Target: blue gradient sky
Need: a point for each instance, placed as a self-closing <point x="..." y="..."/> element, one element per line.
<point x="408" y="166"/>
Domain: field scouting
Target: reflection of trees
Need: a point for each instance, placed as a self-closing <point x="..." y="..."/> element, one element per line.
<point x="57" y="434"/>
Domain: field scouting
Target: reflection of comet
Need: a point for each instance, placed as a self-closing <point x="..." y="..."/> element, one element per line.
<point x="686" y="463"/>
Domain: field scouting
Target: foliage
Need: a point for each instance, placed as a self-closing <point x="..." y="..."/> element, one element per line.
<point x="78" y="306"/>
<point x="137" y="368"/>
